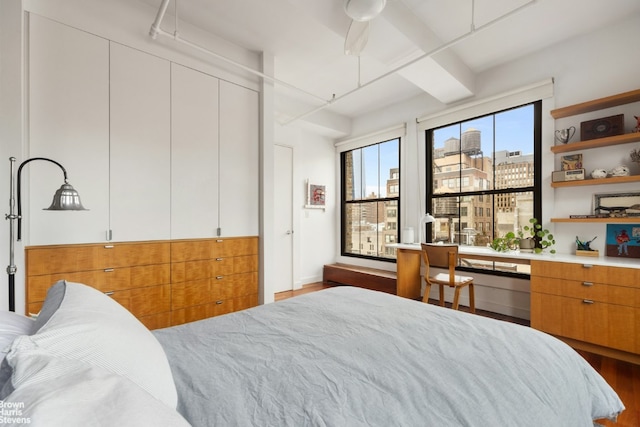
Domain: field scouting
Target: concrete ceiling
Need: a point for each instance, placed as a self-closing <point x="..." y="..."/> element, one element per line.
<point x="445" y="43"/>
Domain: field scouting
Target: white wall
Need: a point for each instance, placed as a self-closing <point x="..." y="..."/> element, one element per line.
<point x="314" y="237"/>
<point x="595" y="65"/>
<point x="11" y="128"/>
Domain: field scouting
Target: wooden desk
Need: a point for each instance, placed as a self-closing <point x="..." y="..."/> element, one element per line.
<point x="409" y="260"/>
<point x="591" y="303"/>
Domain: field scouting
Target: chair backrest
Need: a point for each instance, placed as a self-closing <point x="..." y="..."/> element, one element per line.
<point x="441" y="256"/>
<point x="438" y="255"/>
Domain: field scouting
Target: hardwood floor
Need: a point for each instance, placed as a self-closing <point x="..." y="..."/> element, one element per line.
<point x="624" y="377"/>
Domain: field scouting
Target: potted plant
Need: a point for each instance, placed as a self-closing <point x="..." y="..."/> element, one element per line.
<point x="508" y="242"/>
<point x="528" y="236"/>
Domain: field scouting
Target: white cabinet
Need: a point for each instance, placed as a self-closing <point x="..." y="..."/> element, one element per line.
<point x="140" y="143"/>
<point x="194" y="153"/>
<point x="68" y="121"/>
<point x="239" y="160"/>
<point x="156" y="150"/>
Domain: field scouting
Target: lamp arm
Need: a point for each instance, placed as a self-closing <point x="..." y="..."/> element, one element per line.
<point x="18" y="185"/>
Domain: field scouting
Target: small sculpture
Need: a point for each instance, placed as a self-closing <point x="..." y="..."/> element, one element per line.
<point x="621" y="170"/>
<point x="564" y="135"/>
<point x="598" y="173"/>
<point x="586" y="245"/>
<point x="635" y="155"/>
<point x="637" y="128"/>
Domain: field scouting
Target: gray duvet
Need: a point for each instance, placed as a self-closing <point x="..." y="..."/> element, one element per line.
<point x="352" y="357"/>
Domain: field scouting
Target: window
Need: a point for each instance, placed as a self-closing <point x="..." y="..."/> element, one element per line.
<point x="491" y="165"/>
<point x="371" y="199"/>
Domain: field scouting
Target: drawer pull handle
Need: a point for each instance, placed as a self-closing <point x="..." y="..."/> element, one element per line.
<point x="219" y="277"/>
<point x="587" y="283"/>
<point x="108" y="246"/>
<point x="587" y="301"/>
<point x="587" y="265"/>
<point x="109" y="293"/>
<point x="109" y="270"/>
<point x="219" y="259"/>
<point x="219" y="241"/>
<point x="219" y="302"/>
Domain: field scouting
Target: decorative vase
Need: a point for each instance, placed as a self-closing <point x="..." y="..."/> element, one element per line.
<point x="527" y="244"/>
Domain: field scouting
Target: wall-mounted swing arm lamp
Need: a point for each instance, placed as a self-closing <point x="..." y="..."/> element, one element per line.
<point x="66" y="198"/>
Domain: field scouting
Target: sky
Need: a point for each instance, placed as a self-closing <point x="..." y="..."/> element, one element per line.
<point x="514" y="131"/>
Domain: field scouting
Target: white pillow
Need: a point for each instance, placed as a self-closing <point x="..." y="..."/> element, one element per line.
<point x="56" y="392"/>
<point x="88" y="326"/>
<point x="12" y="325"/>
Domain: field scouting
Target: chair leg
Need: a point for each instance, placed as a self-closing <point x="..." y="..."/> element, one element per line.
<point x="472" y="299"/>
<point x="427" y="291"/>
<point x="441" y="295"/>
<point x="456" y="298"/>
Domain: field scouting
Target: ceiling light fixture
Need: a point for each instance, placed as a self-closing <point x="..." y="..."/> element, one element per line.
<point x="363" y="10"/>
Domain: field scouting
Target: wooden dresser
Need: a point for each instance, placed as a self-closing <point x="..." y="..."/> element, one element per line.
<point x="163" y="283"/>
<point x="592" y="307"/>
<point x="212" y="277"/>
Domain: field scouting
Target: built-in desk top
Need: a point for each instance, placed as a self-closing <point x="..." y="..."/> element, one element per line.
<point x="477" y="252"/>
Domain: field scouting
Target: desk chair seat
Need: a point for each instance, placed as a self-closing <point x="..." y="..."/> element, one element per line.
<point x="445" y="256"/>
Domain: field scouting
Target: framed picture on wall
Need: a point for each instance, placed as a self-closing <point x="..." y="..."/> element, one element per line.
<point x="316" y="195"/>
<point x="623" y="240"/>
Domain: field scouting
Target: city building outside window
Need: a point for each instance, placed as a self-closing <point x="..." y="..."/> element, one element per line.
<point x="371" y="200"/>
<point x="484" y="170"/>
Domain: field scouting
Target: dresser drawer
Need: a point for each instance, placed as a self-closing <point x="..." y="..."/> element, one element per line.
<point x="203" y="311"/>
<point x="245" y="264"/>
<point x="190" y="293"/>
<point x="608" y="325"/>
<point x="75" y="258"/>
<point x="157" y="321"/>
<point x="620" y="295"/>
<point x="145" y="301"/>
<point x="140" y="301"/>
<point x="104" y="280"/>
<point x="235" y="247"/>
<point x="188" y="271"/>
<point x="587" y="272"/>
<point x="245" y="284"/>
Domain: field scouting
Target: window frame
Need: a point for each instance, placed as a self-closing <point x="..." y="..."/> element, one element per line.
<point x="344" y="203"/>
<point x="536" y="188"/>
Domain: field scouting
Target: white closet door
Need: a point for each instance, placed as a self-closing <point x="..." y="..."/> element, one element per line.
<point x="239" y="145"/>
<point x="194" y="153"/>
<point x="68" y="122"/>
<point x="140" y="145"/>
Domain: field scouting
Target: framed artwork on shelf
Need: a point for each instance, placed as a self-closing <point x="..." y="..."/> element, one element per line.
<point x="623" y="240"/>
<point x="617" y="205"/>
<point x="571" y="162"/>
<point x="316" y="196"/>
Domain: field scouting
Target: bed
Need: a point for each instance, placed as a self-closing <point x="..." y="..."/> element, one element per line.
<point x="337" y="357"/>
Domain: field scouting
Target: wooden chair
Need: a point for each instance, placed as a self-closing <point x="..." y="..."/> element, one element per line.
<point x="445" y="256"/>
